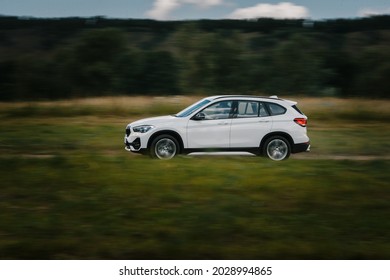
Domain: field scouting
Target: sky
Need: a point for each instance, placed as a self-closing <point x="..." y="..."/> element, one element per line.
<point x="196" y="9"/>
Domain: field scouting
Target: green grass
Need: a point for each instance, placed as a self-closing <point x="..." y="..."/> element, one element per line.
<point x="100" y="207"/>
<point x="70" y="191"/>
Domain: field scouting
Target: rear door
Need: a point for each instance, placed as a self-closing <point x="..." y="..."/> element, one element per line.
<point x="250" y="124"/>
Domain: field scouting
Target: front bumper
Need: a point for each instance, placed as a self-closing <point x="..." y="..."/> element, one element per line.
<point x="134" y="145"/>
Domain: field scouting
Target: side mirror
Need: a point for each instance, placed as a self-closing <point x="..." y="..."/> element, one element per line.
<point x="199" y="117"/>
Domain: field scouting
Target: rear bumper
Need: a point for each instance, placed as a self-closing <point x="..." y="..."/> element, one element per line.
<point x="301" y="147"/>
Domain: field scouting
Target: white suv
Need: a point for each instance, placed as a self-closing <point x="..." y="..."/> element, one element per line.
<point x="266" y="126"/>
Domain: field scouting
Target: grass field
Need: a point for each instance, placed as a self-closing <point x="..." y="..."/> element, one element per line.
<point x="70" y="191"/>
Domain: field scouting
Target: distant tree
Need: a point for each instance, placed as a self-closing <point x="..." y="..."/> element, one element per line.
<point x="38" y="78"/>
<point x="7" y="79"/>
<point x="210" y="62"/>
<point x="373" y="72"/>
<point x="60" y="58"/>
<point x="160" y="73"/>
<point x="294" y="66"/>
<point x="93" y="60"/>
<point x="129" y="71"/>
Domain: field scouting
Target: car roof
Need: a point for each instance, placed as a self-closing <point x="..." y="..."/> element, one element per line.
<point x="273" y="97"/>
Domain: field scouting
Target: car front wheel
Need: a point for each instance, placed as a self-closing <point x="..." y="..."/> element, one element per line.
<point x="164" y="147"/>
<point x="277" y="148"/>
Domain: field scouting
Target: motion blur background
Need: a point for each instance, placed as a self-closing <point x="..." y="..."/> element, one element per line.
<point x="70" y="85"/>
<point x="80" y="57"/>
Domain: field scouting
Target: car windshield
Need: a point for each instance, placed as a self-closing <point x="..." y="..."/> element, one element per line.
<point x="190" y="109"/>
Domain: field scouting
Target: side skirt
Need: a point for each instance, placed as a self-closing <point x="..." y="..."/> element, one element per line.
<point x="254" y="150"/>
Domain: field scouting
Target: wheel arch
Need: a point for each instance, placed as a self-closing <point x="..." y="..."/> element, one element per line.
<point x="167" y="132"/>
<point x="276" y="133"/>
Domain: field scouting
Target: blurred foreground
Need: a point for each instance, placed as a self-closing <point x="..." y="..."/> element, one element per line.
<point x="70" y="191"/>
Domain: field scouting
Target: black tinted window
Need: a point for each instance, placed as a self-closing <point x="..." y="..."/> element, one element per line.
<point x="220" y="110"/>
<point x="247" y="109"/>
<point x="263" y="111"/>
<point x="276" y="109"/>
<point x="297" y="109"/>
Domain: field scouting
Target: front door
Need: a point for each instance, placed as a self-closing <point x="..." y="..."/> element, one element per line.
<point x="212" y="128"/>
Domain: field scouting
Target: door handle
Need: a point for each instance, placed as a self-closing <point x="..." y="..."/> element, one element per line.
<point x="223" y="123"/>
<point x="263" y="121"/>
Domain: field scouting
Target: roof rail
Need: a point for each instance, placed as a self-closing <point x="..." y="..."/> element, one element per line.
<point x="248" y="96"/>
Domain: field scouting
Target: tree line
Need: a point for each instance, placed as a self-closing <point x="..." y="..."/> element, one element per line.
<point x="80" y="57"/>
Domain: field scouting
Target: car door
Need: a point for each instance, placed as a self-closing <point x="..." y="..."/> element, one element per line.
<point x="210" y="128"/>
<point x="251" y="123"/>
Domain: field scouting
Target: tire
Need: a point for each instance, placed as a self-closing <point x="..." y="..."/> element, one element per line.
<point x="277" y="148"/>
<point x="164" y="147"/>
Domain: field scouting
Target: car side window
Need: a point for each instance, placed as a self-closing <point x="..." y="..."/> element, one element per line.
<point x="247" y="109"/>
<point x="217" y="111"/>
<point x="276" y="109"/>
<point x="263" y="112"/>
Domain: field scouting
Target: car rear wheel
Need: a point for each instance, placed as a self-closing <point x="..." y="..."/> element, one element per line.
<point x="277" y="148"/>
<point x="164" y="147"/>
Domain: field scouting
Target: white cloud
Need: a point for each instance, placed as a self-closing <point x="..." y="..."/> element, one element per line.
<point x="162" y="8"/>
<point x="280" y="11"/>
<point x="204" y="3"/>
<point x="373" y="12"/>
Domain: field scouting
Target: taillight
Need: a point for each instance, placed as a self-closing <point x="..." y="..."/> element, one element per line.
<point x="301" y="121"/>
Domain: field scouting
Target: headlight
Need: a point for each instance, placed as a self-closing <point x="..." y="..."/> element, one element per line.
<point x="142" y="128"/>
